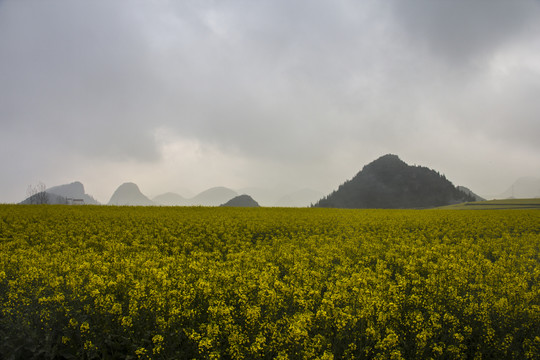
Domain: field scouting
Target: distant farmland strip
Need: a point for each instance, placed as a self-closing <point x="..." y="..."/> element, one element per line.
<point x="508" y="204"/>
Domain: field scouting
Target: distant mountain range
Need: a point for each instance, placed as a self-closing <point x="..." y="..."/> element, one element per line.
<point x="129" y="194"/>
<point x="265" y="197"/>
<point x="212" y="197"/>
<point x="389" y="183"/>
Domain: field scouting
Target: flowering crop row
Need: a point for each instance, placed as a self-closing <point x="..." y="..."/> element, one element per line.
<point x="230" y="283"/>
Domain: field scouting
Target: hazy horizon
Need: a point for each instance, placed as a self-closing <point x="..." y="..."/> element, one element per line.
<point x="192" y="95"/>
<point x="270" y="196"/>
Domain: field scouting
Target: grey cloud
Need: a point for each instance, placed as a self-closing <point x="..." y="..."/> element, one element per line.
<point x="281" y="75"/>
<point x="298" y="83"/>
<point x="514" y="112"/>
<point x="462" y="31"/>
<point x="77" y="73"/>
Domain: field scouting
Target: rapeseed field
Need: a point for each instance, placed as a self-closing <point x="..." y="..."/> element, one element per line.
<point x="98" y="282"/>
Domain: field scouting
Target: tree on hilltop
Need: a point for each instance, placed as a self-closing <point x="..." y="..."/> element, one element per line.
<point x="37" y="194"/>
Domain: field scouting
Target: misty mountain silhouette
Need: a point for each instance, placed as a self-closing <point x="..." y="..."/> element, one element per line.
<point x="523" y="188"/>
<point x="300" y="198"/>
<point x="283" y="196"/>
<point x="129" y="194"/>
<point x="171" y="199"/>
<point x="51" y="199"/>
<point x="241" y="201"/>
<point x="213" y="197"/>
<point x="75" y="190"/>
<point x="389" y="183"/>
<point x="64" y="194"/>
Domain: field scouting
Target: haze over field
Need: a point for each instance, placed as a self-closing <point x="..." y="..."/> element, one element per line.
<point x="265" y="94"/>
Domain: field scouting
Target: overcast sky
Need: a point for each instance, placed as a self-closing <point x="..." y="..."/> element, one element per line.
<point x="184" y="95"/>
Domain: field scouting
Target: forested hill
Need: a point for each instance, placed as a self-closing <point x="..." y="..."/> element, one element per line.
<point x="389" y="183"/>
<point x="242" y="201"/>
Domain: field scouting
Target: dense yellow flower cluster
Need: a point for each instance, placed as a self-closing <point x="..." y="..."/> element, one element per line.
<point x="231" y="283"/>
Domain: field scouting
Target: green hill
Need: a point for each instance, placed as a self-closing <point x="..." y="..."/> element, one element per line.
<point x="389" y="183"/>
<point x="241" y="201"/>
